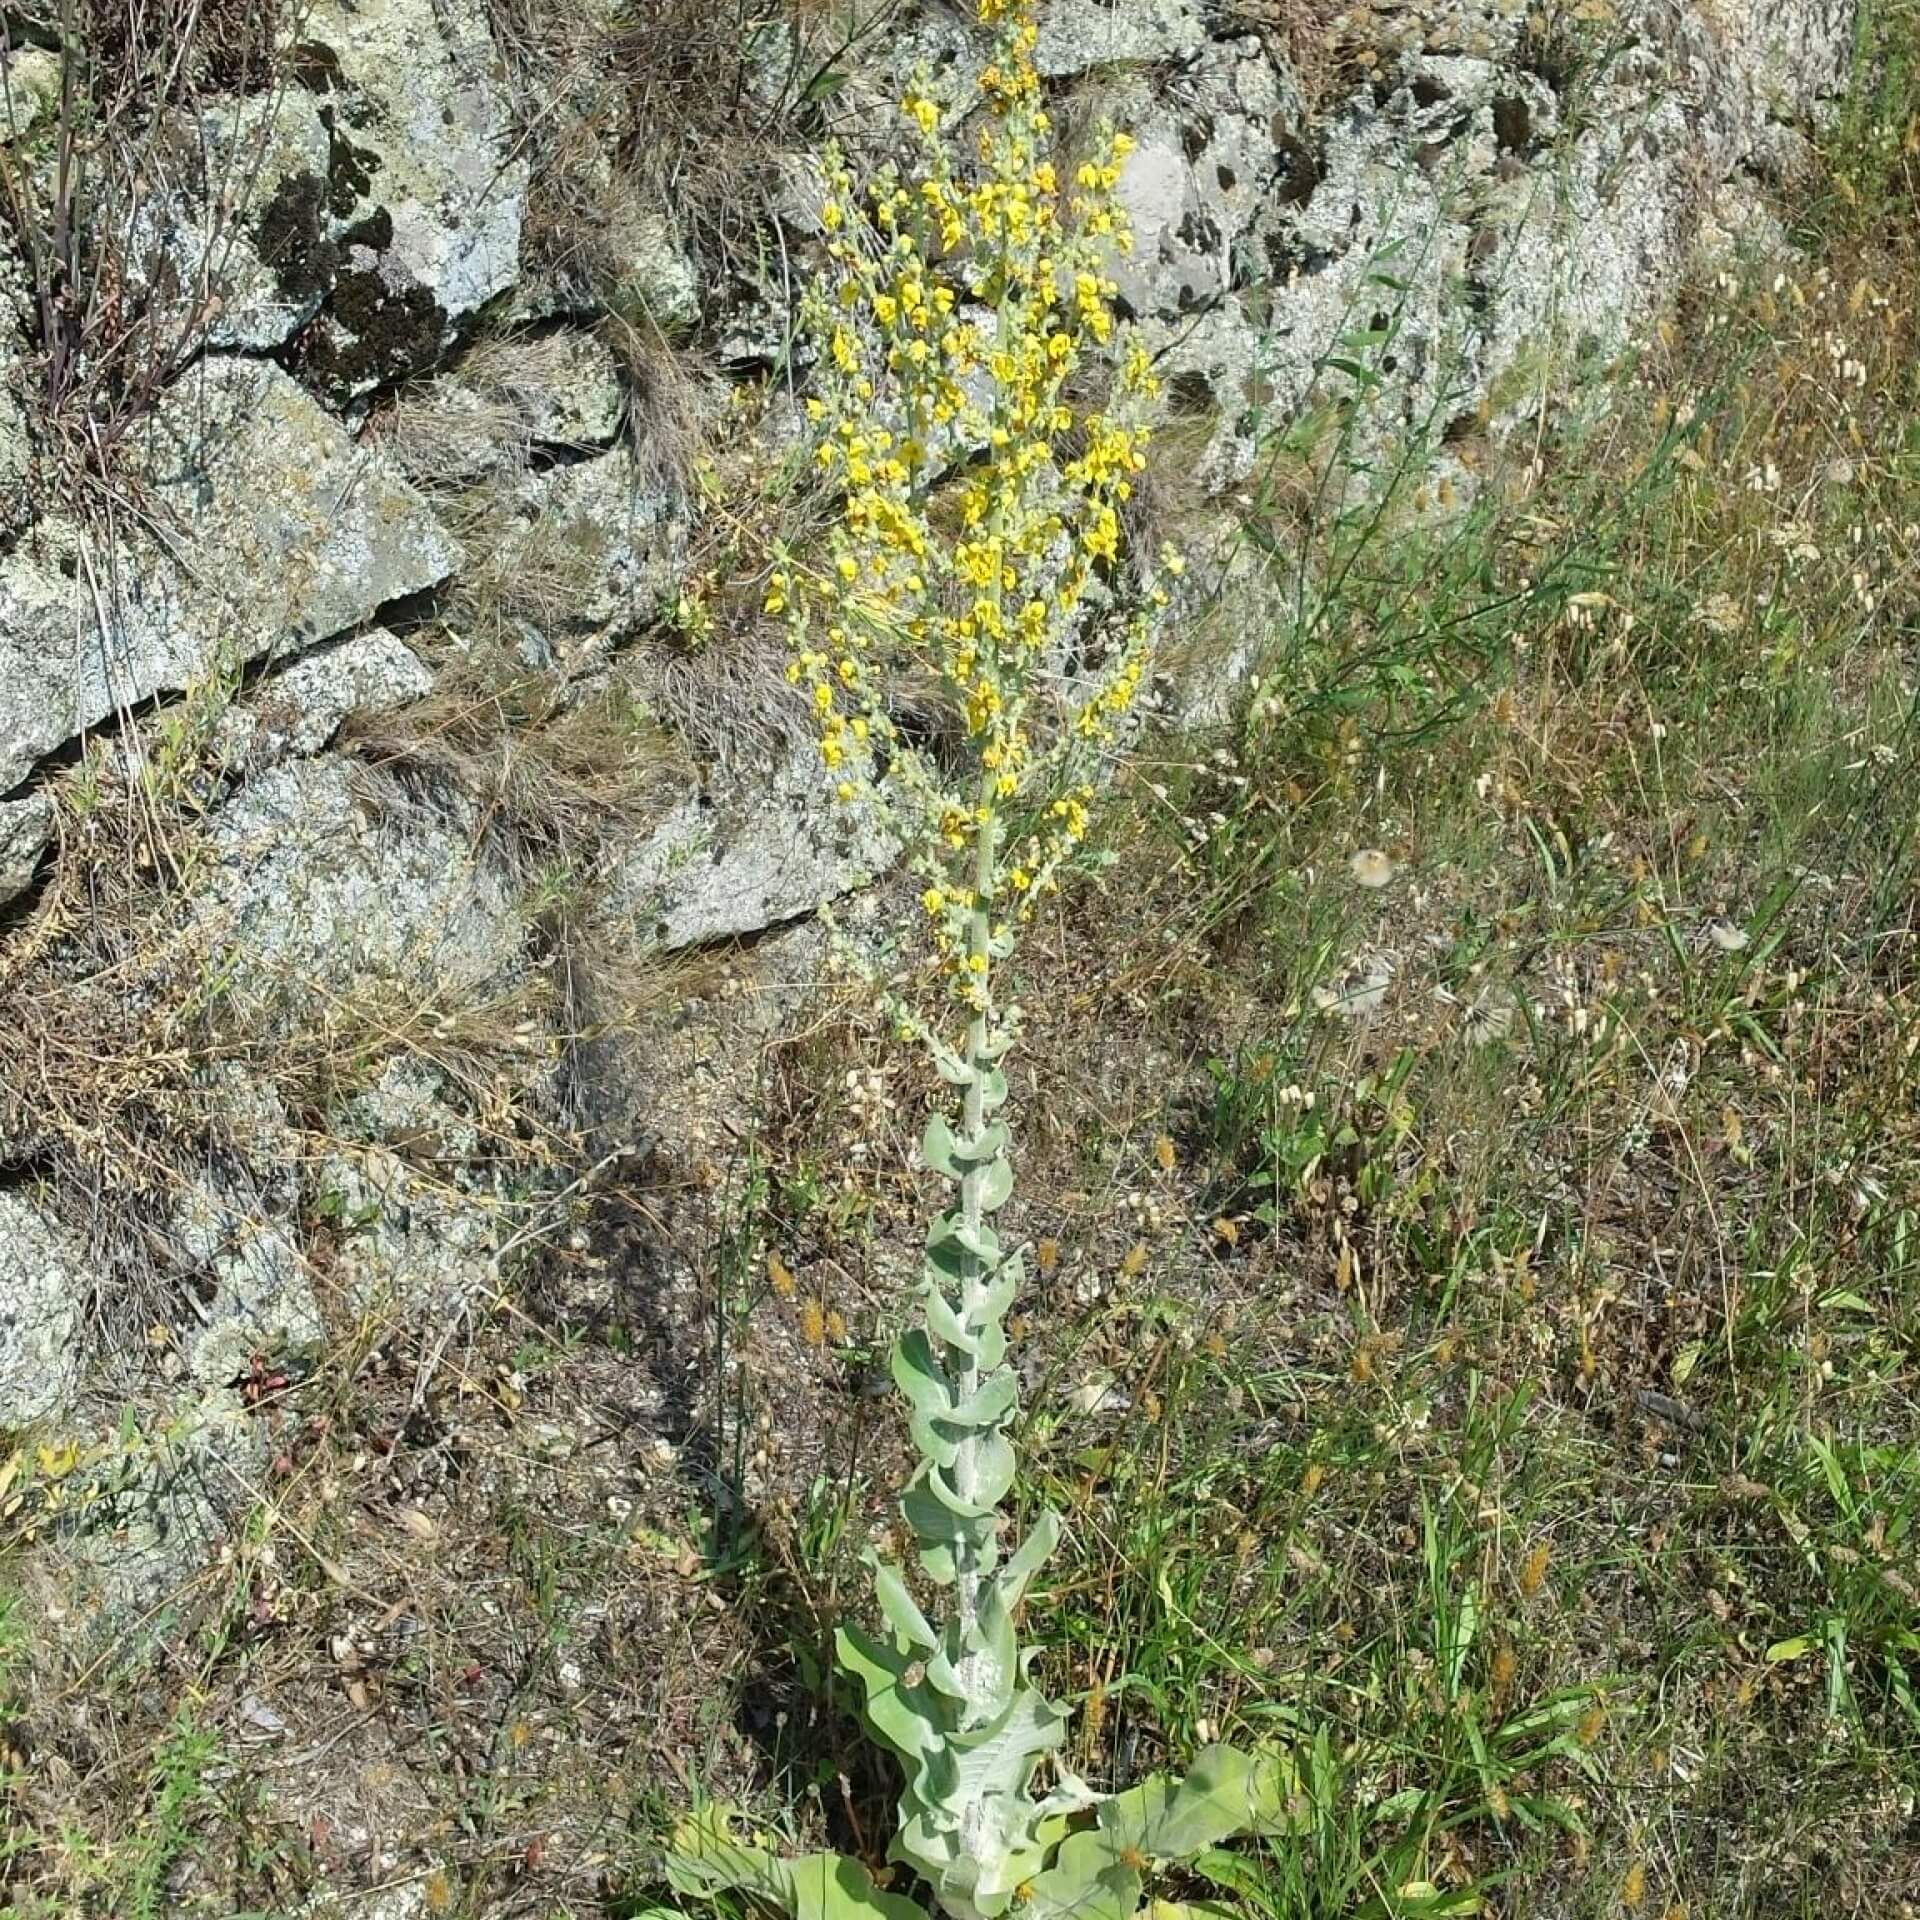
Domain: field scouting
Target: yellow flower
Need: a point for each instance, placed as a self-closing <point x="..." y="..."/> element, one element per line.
<point x="933" y="899"/>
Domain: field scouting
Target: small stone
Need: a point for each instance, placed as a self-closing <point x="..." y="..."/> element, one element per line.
<point x="30" y="92"/>
<point x="44" y="1283"/>
<point x="26" y="831"/>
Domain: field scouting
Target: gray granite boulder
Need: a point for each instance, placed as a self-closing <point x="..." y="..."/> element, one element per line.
<point x="227" y="245"/>
<point x="298" y="710"/>
<point x="426" y="190"/>
<point x="747" y="852"/>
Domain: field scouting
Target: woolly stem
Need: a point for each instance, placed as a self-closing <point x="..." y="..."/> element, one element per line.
<point x="974" y="1274"/>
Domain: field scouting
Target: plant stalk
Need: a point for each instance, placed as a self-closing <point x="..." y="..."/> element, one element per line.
<point x="979" y="931"/>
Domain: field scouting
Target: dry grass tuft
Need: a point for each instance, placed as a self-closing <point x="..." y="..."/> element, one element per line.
<point x="555" y="770"/>
<point x="1311" y="34"/>
<point x="666" y="90"/>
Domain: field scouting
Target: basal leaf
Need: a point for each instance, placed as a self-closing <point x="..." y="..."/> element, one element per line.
<point x="1169" y="1819"/>
<point x="705" y="1858"/>
<point x="830" y="1886"/>
<point x="1087" y="1881"/>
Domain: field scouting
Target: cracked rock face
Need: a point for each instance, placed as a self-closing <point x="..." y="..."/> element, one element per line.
<point x="1511" y="185"/>
<point x="750" y="854"/>
<point x="279" y="532"/>
<point x="609" y="539"/>
<point x="298" y="711"/>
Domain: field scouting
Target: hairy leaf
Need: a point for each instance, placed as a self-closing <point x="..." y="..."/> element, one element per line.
<point x="996" y="1184"/>
<point x="830" y="1886"/>
<point x="902" y="1611"/>
<point x="1033" y="1553"/>
<point x="906" y="1715"/>
<point x="1087" y="1881"/>
<point x="1227" y="1791"/>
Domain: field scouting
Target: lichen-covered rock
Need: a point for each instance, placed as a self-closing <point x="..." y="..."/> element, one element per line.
<point x="942" y="46"/>
<point x="564" y="388"/>
<point x="608" y="538"/>
<point x="262" y="1304"/>
<point x="26" y="829"/>
<point x="650" y="277"/>
<point x="280" y="532"/>
<point x="227" y="245"/>
<point x="167" y="1505"/>
<point x="334" y="897"/>
<point x="1076" y="35"/>
<point x="750" y="854"/>
<point x="1794" y="55"/>
<point x="414" y="1217"/>
<point x="1199" y="174"/>
<point x="1441" y="236"/>
<point x="31" y="90"/>
<point x="16" y="448"/>
<point x="426" y="190"/>
<point x="44" y="1284"/>
<point x="302" y="707"/>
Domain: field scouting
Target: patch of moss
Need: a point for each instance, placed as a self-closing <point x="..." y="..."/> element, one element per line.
<point x="375" y="332"/>
<point x="291" y="240"/>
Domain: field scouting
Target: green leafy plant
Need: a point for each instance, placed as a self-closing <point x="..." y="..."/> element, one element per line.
<point x="979" y="535"/>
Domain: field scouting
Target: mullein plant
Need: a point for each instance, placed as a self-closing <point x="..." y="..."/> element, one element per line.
<point x="967" y="315"/>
